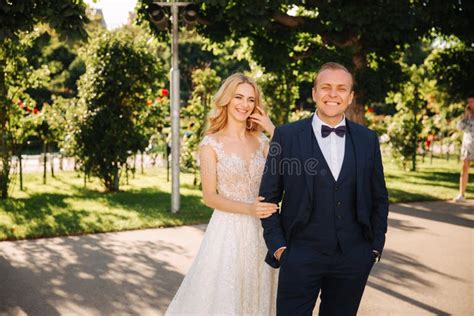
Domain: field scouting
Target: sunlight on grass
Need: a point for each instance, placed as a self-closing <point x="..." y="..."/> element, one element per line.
<point x="65" y="207"/>
<point x="432" y="181"/>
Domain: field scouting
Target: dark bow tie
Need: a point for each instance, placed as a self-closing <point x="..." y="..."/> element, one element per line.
<point x="326" y="130"/>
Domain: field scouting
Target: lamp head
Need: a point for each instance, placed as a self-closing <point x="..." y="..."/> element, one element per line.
<point x="191" y="14"/>
<point x="158" y="16"/>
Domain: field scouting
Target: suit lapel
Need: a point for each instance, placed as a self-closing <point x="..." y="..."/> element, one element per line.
<point x="359" y="151"/>
<point x="345" y="159"/>
<point x="305" y="141"/>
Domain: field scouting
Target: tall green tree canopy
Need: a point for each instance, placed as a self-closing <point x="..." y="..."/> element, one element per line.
<point x="453" y="69"/>
<point x="68" y="17"/>
<point x="298" y="36"/>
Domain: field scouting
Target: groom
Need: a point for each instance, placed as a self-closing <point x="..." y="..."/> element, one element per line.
<point x="333" y="219"/>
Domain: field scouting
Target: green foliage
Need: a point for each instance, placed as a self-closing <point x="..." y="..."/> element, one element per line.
<point x="290" y="38"/>
<point x="18" y="19"/>
<point x="15" y="104"/>
<point x="453" y="68"/>
<point x="279" y="93"/>
<point x="55" y="66"/>
<point x="299" y="115"/>
<point x="405" y="127"/>
<point x="68" y="17"/>
<point x="62" y="119"/>
<point x="156" y="124"/>
<point x="205" y="85"/>
<point x="121" y="76"/>
<point x="197" y="52"/>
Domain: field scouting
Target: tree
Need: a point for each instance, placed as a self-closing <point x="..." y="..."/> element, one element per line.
<point x="279" y="93"/>
<point x="197" y="52"/>
<point x="68" y="18"/>
<point x="453" y="69"/>
<point x="121" y="76"/>
<point x="22" y="125"/>
<point x="405" y="127"/>
<point x="296" y="37"/>
<point x="156" y="125"/>
<point x="205" y="85"/>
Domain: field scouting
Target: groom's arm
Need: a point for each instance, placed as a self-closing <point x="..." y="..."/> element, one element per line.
<point x="271" y="188"/>
<point x="379" y="201"/>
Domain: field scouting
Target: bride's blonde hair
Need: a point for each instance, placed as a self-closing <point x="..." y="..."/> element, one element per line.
<point x="217" y="118"/>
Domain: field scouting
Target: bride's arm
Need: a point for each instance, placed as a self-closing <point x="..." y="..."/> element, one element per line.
<point x="212" y="199"/>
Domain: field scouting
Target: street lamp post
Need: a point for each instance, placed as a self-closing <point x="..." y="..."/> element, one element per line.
<point x="159" y="18"/>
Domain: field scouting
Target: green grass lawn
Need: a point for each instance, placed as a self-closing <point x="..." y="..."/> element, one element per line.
<point x="65" y="207"/>
<point x="436" y="181"/>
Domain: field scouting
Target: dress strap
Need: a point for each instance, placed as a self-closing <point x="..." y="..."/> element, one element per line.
<point x="263" y="139"/>
<point x="211" y="141"/>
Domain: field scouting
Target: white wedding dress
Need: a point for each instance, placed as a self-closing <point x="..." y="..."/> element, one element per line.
<point x="229" y="275"/>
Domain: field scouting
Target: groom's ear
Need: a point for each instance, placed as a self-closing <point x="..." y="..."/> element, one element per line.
<point x="313" y="93"/>
<point x="351" y="97"/>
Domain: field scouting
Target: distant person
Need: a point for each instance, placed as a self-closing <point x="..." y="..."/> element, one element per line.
<point x="467" y="148"/>
<point x="228" y="275"/>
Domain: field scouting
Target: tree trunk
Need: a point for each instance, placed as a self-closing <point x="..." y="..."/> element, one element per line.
<point x="116" y="178"/>
<point x="166" y="156"/>
<point x="61" y="161"/>
<point x="126" y="173"/>
<point x="448" y="154"/>
<point x="416" y="124"/>
<point x="356" y="111"/>
<point x="51" y="159"/>
<point x="4" y="150"/>
<point x="45" y="161"/>
<point x="20" y="160"/>
<point x="431" y="151"/>
<point x="134" y="168"/>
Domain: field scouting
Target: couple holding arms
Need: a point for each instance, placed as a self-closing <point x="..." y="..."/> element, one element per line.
<point x="311" y="202"/>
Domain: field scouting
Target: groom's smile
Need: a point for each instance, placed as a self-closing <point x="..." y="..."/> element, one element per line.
<point x="333" y="94"/>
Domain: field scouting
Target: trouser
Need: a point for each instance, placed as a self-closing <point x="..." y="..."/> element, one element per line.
<point x="339" y="277"/>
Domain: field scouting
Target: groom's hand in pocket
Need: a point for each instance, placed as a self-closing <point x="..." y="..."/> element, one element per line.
<point x="279" y="252"/>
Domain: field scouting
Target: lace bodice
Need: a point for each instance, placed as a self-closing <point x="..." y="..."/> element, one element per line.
<point x="238" y="179"/>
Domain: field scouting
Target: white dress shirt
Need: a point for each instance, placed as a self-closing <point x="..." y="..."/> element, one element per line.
<point x="333" y="147"/>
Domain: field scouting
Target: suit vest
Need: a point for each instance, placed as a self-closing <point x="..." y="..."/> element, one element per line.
<point x="333" y="221"/>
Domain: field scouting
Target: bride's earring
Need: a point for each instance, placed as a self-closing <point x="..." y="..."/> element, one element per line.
<point x="251" y="124"/>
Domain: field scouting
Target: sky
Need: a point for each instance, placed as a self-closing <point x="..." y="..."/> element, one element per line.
<point x="115" y="11"/>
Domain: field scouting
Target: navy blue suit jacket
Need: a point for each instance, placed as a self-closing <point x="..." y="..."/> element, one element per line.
<point x="287" y="178"/>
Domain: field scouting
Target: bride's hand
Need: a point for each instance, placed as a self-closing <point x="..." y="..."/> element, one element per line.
<point x="263" y="120"/>
<point x="262" y="209"/>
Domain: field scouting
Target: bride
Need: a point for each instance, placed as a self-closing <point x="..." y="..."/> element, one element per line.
<point x="229" y="275"/>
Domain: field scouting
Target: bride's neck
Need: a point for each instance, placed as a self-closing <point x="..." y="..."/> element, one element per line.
<point x="235" y="130"/>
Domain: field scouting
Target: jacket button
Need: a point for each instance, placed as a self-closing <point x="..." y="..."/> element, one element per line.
<point x="336" y="188"/>
<point x="338" y="216"/>
<point x="338" y="203"/>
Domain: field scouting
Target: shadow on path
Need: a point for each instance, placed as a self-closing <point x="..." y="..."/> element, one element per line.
<point x="441" y="211"/>
<point x="102" y="276"/>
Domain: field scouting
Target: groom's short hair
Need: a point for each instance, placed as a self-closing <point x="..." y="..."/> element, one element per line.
<point x="333" y="66"/>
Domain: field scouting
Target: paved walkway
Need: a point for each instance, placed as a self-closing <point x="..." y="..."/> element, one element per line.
<point x="427" y="268"/>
